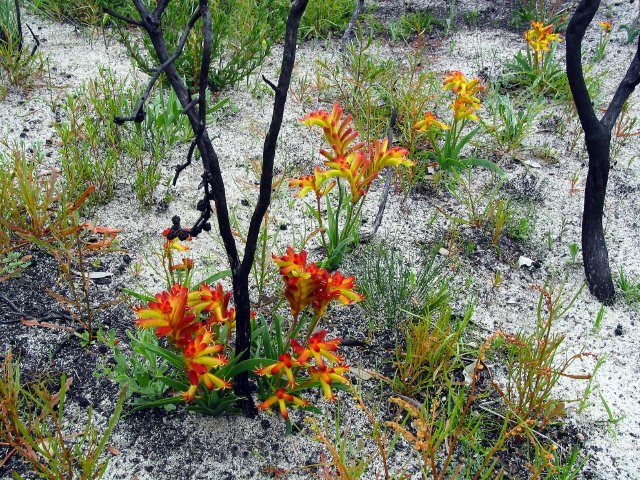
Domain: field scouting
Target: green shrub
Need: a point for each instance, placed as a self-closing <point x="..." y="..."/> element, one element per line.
<point x="243" y="32"/>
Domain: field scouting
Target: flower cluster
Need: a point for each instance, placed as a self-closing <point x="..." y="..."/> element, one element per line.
<point x="189" y="320"/>
<point x="466" y="102"/>
<point x="309" y="285"/>
<point x="352" y="161"/>
<point x="539" y="37"/>
<point x="322" y="364"/>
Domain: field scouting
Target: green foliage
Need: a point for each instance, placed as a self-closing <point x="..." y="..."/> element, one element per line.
<point x="98" y="152"/>
<point x="321" y="18"/>
<point x="32" y="425"/>
<point x="12" y="264"/>
<point x="361" y="84"/>
<point x="511" y="121"/>
<point x="534" y="367"/>
<point x="33" y="203"/>
<point x="87" y="12"/>
<point x="630" y="288"/>
<point x="547" y="77"/>
<point x="142" y="370"/>
<point x="18" y="66"/>
<point x="243" y="32"/>
<point x="431" y="351"/>
<point x="412" y="24"/>
<point x="393" y="289"/>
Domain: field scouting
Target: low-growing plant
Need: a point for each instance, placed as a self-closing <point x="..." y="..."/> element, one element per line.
<point x="393" y="290"/>
<point x="18" y="65"/>
<point x="142" y="370"/>
<point x="538" y="68"/>
<point x="97" y="152"/>
<point x="533" y="368"/>
<point x="510" y="122"/>
<point x="430" y="352"/>
<point x="361" y="84"/>
<point x="323" y="18"/>
<point x="605" y="35"/>
<point x="12" y="264"/>
<point x="630" y="288"/>
<point x="242" y="34"/>
<point x="33" y="426"/>
<point x="351" y="167"/>
<point x="33" y="203"/>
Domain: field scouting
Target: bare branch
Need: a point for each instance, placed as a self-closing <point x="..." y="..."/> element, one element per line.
<point x="626" y="87"/>
<point x="271" y="140"/>
<point x="138" y="113"/>
<point x="354" y="18"/>
<point x="575" y="33"/>
<point x="387" y="184"/>
<point x="128" y="20"/>
<point x="270" y="83"/>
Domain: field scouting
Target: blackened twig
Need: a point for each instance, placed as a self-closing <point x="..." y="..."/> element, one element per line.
<point x="115" y="14"/>
<point x="354" y="18"/>
<point x="270" y="83"/>
<point x="387" y="185"/>
<point x="138" y="113"/>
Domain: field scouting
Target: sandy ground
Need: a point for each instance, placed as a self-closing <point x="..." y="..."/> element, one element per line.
<point x="190" y="446"/>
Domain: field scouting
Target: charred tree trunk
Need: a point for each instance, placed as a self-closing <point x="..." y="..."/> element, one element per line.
<point x="195" y="109"/>
<point x="597" y="133"/>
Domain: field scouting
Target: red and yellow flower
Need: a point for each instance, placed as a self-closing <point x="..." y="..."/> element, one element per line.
<point x="284" y="364"/>
<point x="312" y="183"/>
<point x="606" y="26"/>
<point x="347" y="160"/>
<point x="430" y="121"/>
<point x="318" y="348"/>
<point x="214" y="302"/>
<point x="200" y="356"/>
<point x="326" y="376"/>
<point x="282" y="398"/>
<point x="540" y="36"/>
<point x="169" y="315"/>
<point x="309" y="285"/>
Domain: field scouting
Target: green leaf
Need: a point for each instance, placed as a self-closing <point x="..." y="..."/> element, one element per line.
<point x="215" y="277"/>
<point x="144" y="297"/>
<point x="171" y="357"/>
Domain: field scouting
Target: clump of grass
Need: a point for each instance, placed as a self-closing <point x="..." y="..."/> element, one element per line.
<point x="431" y="351"/>
<point x="392" y="288"/>
<point x="18" y="65"/>
<point x="321" y="18"/>
<point x="32" y="426"/>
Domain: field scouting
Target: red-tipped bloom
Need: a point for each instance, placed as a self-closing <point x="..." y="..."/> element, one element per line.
<point x="309" y="285"/>
<point x="214" y="302"/>
<point x="285" y="364"/>
<point x="318" y="349"/>
<point x="312" y="183"/>
<point x="326" y="376"/>
<point x="169" y="315"/>
<point x="337" y="131"/>
<point x="186" y="265"/>
<point x="606" y="26"/>
<point x="540" y="36"/>
<point x="338" y="288"/>
<point x="200" y="356"/>
<point x="430" y="121"/>
<point x="282" y="398"/>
